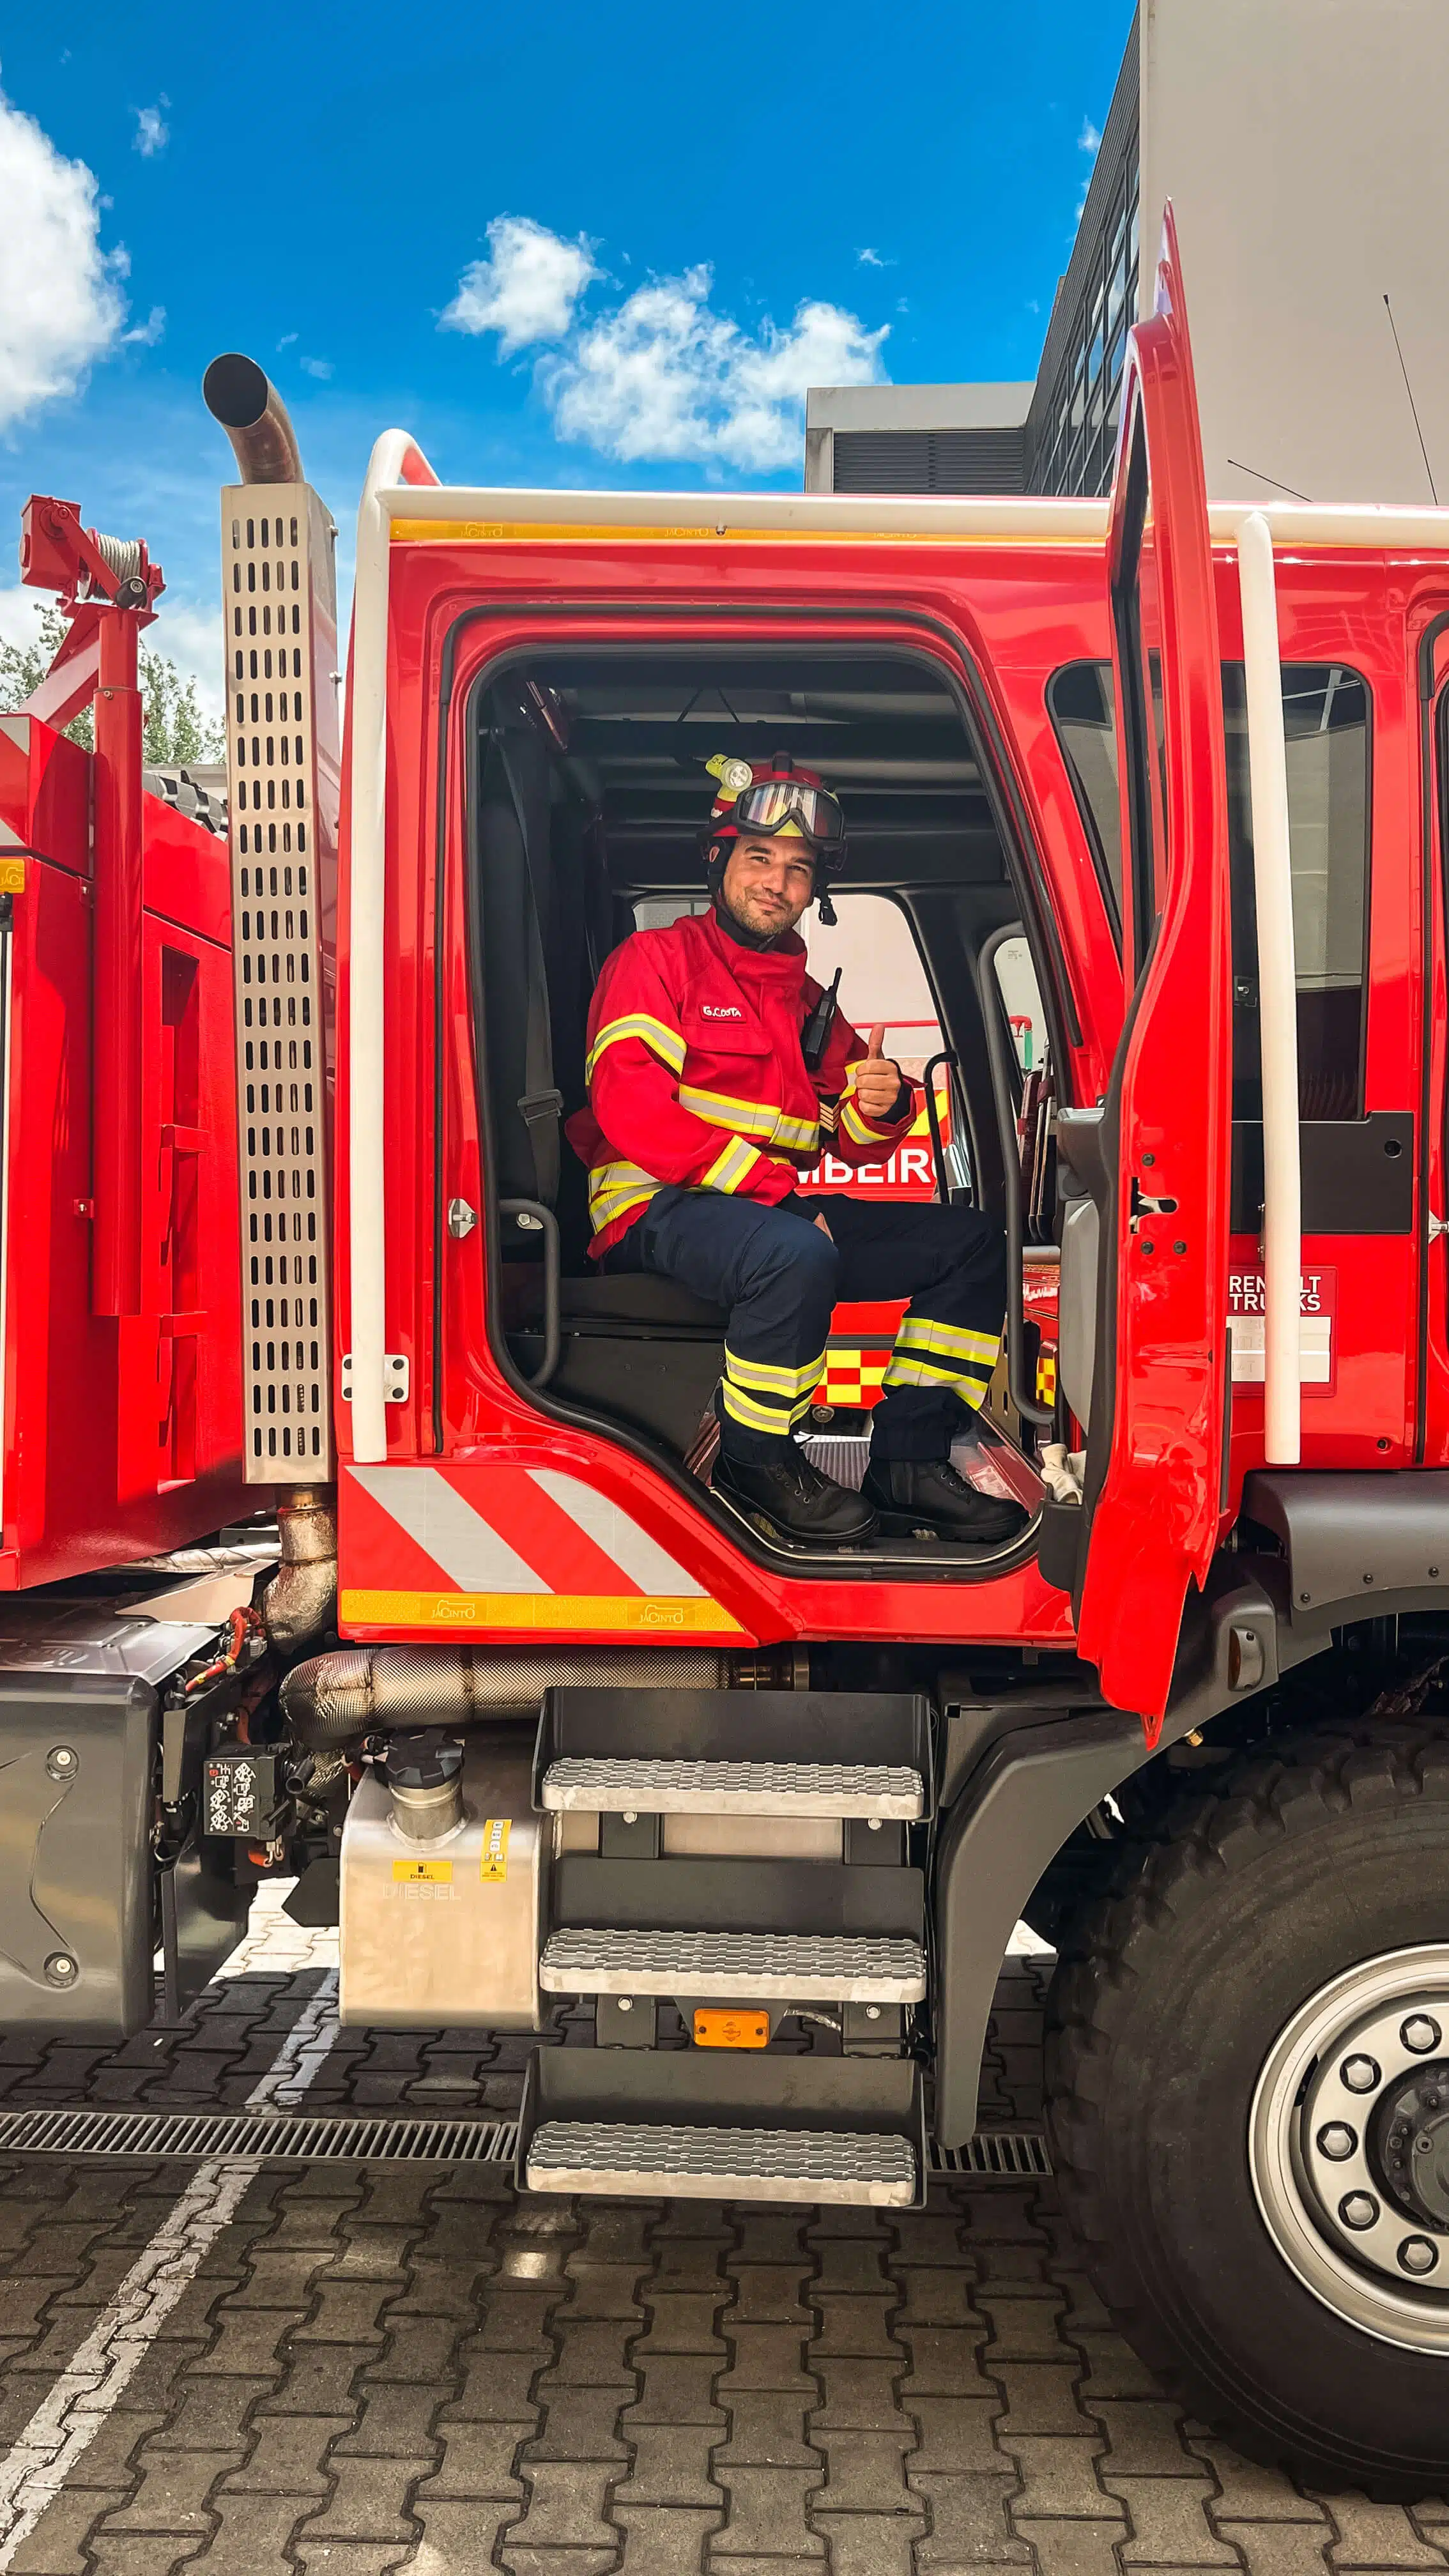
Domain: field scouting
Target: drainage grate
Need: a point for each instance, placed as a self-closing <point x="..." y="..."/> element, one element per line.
<point x="272" y="2135"/>
<point x="993" y="2155"/>
<point x="996" y="2155"/>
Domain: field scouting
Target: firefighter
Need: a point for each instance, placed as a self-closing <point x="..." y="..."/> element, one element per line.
<point x="717" y="1068"/>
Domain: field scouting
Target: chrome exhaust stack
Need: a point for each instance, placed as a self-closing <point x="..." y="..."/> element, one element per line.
<point x="255" y="419"/>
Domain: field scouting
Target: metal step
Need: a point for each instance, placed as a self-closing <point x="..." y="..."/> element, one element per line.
<point x="675" y="2162"/>
<point x="609" y="1785"/>
<point x="782" y="1967"/>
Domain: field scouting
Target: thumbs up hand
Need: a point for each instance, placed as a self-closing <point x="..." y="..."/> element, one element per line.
<point x="877" y="1080"/>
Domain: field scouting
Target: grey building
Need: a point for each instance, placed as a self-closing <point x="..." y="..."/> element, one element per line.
<point x="1299" y="142"/>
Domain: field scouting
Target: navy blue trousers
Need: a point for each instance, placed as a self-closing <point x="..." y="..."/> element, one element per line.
<point x="779" y="1276"/>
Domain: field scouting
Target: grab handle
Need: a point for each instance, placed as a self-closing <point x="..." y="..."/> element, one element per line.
<point x="1001" y="1091"/>
<point x="536" y="1215"/>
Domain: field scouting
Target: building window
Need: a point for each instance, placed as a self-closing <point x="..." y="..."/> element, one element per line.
<point x="1076" y="441"/>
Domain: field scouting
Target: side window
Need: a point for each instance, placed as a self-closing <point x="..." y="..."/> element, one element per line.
<point x="883" y="979"/>
<point x="882" y="976"/>
<point x="1326" y="721"/>
<point x="1079" y="702"/>
<point x="1141" y="716"/>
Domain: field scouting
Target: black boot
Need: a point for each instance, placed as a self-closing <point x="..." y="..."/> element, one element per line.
<point x="928" y="1494"/>
<point x="794" y="1495"/>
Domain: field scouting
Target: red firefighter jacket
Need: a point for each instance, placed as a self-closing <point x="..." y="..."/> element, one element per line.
<point x="696" y="1075"/>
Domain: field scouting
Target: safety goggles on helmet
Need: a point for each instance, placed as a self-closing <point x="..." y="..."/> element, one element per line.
<point x="771" y="805"/>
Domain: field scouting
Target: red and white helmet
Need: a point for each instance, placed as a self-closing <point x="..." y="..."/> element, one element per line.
<point x="774" y="798"/>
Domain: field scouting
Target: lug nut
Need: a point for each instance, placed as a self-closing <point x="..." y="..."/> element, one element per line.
<point x="1358" y="2209"/>
<point x="1417" y="2255"/>
<point x="1360" y="2074"/>
<point x="1337" y="2140"/>
<point x="1420" y="2034"/>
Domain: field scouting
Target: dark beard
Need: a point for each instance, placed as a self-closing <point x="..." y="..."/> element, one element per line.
<point x="741" y="932"/>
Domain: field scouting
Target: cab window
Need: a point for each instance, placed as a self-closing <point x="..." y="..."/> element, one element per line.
<point x="1326" y="722"/>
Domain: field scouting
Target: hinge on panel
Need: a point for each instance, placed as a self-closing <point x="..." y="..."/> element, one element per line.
<point x="395" y="1377"/>
<point x="1438" y="1225"/>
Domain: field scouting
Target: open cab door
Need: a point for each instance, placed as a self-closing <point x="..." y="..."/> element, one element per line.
<point x="1155" y="1156"/>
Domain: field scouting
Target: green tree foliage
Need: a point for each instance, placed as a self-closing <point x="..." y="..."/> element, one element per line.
<point x="173" y="727"/>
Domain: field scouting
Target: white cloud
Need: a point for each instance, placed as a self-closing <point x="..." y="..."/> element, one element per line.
<point x="19" y="610"/>
<point x="191" y="636"/>
<point x="319" y="367"/>
<point x="61" y="305"/>
<point x="666" y="376"/>
<point x="1089" y="138"/>
<point x="870" y="259"/>
<point x="152" y="131"/>
<point x="526" y="289"/>
<point x="287" y="339"/>
<point x="663" y="375"/>
<point x="145" y="335"/>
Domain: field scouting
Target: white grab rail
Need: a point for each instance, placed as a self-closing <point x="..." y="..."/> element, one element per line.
<point x="396" y="459"/>
<point x="1277" y="994"/>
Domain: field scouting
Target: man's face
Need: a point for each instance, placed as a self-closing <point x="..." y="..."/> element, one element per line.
<point x="768" y="882"/>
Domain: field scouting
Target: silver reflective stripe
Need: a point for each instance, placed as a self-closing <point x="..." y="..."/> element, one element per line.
<point x="623" y="1542"/>
<point x="447" y="1529"/>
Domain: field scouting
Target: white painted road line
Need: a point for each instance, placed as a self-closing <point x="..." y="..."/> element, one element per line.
<point x="66" y="2422"/>
<point x="68" y="2419"/>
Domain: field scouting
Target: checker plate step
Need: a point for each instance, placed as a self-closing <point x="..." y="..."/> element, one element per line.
<point x="782" y="1967"/>
<point x="607" y="1785"/>
<point x="674" y="2162"/>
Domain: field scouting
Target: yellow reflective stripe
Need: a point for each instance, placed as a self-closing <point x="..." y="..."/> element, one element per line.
<point x="615" y="1188"/>
<point x="742" y="1117"/>
<point x="731" y="1167"/>
<point x="954" y="1341"/>
<point x="749" y="1118"/>
<point x="768" y="1379"/>
<point x="859" y="1129"/>
<point x="607" y="1179"/>
<point x="662" y="1041"/>
<point x="754" y="1416"/>
<point x="913" y="1371"/>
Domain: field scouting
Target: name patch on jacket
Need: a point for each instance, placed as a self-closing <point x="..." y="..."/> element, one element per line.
<point x="720" y="1011"/>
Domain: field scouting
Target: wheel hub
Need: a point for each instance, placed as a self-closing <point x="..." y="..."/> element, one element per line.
<point x="1409" y="2142"/>
<point x="1349" y="2146"/>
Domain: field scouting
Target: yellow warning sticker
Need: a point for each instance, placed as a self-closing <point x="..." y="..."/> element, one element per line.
<point x="493" y="1859"/>
<point x="12" y="876"/>
<point x="422" y="1873"/>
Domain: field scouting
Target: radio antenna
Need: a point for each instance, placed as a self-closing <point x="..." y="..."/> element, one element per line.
<point x="1413" y="406"/>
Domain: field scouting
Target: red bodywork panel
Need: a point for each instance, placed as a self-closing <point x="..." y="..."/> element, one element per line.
<point x="1009" y="612"/>
<point x="122" y="1435"/>
<point x="1156" y="1508"/>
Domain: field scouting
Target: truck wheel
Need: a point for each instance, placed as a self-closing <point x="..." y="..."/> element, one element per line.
<point x="1248" y="2094"/>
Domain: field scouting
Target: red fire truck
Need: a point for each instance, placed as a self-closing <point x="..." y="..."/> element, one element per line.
<point x="525" y="1707"/>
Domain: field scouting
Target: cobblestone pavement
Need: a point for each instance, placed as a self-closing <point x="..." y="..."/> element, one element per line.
<point x="349" y="2369"/>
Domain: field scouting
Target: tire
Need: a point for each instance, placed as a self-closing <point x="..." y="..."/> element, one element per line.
<point x="1256" y="1927"/>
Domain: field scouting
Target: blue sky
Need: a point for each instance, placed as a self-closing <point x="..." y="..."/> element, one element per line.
<point x="568" y="246"/>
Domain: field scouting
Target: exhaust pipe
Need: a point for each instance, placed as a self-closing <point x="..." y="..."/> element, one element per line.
<point x="255" y="419"/>
<point x="370" y="1690"/>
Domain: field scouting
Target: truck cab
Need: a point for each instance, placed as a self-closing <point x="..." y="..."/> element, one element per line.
<point x="1150" y="795"/>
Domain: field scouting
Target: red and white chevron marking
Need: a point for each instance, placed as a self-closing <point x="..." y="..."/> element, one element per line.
<point x="494" y="1548"/>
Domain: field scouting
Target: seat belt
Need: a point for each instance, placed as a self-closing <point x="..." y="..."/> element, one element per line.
<point x="541" y="1104"/>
